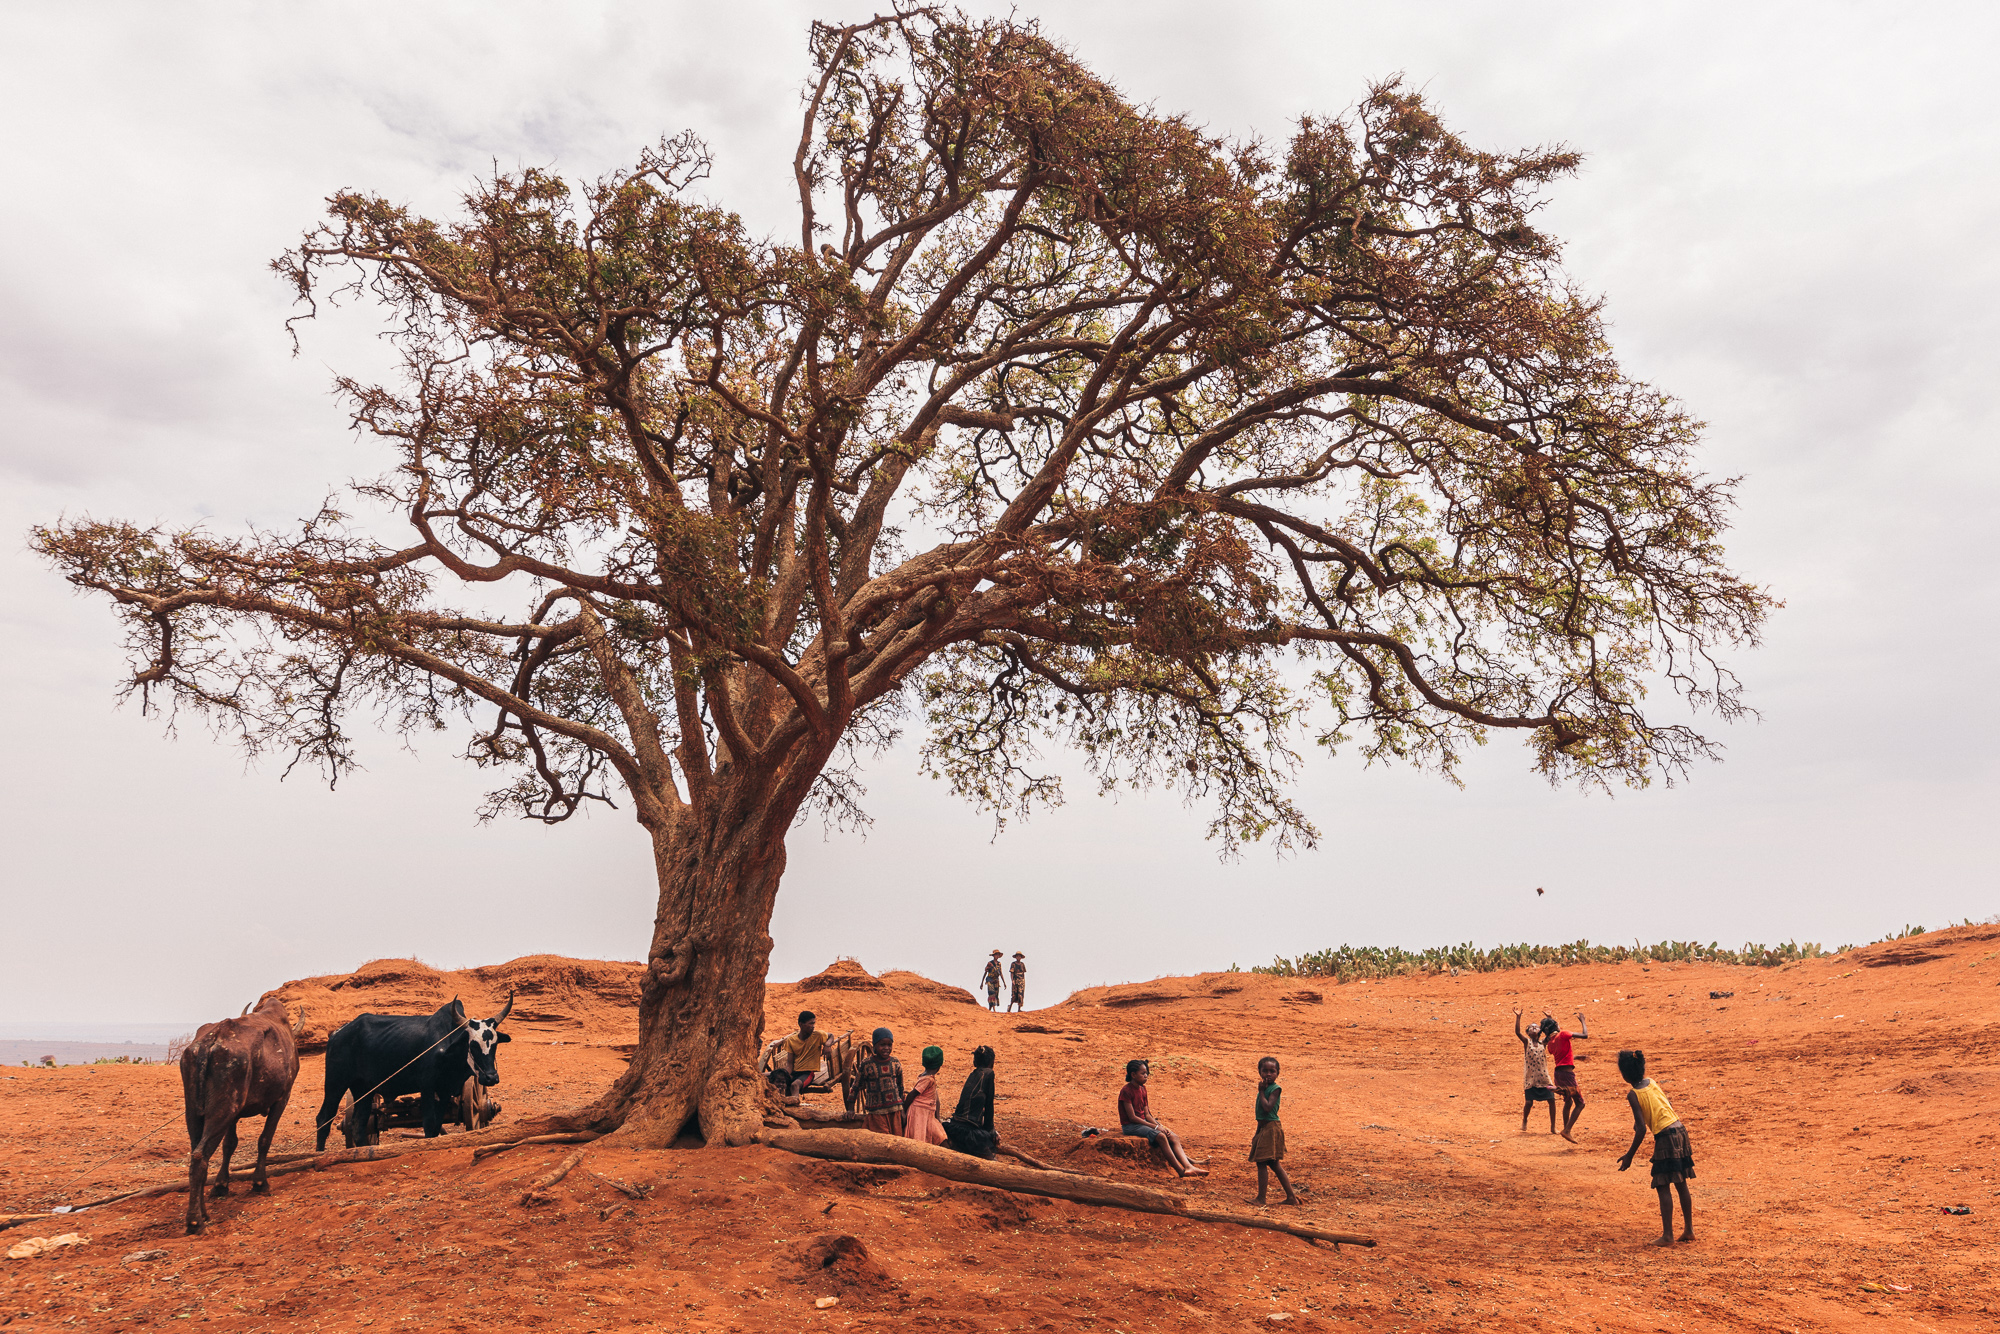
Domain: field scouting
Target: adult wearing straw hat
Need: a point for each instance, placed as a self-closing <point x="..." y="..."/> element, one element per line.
<point x="992" y="979"/>
<point x="1017" y="974"/>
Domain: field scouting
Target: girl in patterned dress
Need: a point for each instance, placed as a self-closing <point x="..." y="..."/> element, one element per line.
<point x="881" y="1077"/>
<point x="1535" y="1073"/>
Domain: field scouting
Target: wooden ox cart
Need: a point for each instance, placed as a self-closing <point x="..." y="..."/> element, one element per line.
<point x="474" y="1109"/>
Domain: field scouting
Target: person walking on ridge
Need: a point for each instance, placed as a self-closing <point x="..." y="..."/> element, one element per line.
<point x="1017" y="974"/>
<point x="991" y="977"/>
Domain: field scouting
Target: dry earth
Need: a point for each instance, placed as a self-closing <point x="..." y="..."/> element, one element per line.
<point x="1834" y="1106"/>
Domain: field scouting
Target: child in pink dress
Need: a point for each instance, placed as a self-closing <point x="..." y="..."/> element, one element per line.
<point x="920" y="1107"/>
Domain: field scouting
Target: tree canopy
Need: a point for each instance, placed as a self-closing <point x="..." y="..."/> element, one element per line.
<point x="1058" y="421"/>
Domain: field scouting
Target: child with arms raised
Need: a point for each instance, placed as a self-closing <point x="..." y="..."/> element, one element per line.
<point x="1535" y="1073"/>
<point x="1673" y="1159"/>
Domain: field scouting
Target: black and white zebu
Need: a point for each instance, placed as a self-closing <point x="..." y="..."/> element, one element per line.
<point x="429" y="1055"/>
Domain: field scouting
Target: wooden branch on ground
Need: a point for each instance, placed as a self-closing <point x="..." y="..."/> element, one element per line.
<point x="307" y="1162"/>
<point x="624" y="1188"/>
<point x="574" y="1137"/>
<point x="1012" y="1152"/>
<point x="15" y="1220"/>
<point x="865" y="1146"/>
<point x="536" y="1194"/>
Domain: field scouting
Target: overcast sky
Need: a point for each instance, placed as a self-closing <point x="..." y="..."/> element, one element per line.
<point x="1790" y="209"/>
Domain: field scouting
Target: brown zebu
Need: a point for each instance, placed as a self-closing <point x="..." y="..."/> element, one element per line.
<point x="233" y="1069"/>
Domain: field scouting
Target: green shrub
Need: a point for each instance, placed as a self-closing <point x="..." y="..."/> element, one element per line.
<point x="1351" y="962"/>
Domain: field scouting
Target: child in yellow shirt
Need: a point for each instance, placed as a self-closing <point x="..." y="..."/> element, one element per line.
<point x="1673" y="1158"/>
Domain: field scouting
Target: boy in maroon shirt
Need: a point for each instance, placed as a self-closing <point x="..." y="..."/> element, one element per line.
<point x="1558" y="1041"/>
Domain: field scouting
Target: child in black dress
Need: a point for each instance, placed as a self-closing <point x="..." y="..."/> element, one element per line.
<point x="970" y="1129"/>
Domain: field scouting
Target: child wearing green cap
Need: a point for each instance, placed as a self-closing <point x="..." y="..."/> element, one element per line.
<point x="920" y="1105"/>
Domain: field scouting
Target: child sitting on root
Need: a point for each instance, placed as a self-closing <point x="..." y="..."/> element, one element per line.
<point x="1673" y="1157"/>
<point x="1135" y="1117"/>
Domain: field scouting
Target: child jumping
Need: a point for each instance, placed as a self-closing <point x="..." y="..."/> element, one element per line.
<point x="1267" y="1146"/>
<point x="1135" y="1117"/>
<point x="1535" y="1073"/>
<point x="1558" y="1040"/>
<point x="1673" y="1158"/>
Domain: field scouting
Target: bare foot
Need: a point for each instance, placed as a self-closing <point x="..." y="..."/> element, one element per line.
<point x="1290" y="1199"/>
<point x="1195" y="1172"/>
<point x="1260" y="1201"/>
<point x="1571" y="1138"/>
<point x="1665" y="1241"/>
<point x="1687" y="1236"/>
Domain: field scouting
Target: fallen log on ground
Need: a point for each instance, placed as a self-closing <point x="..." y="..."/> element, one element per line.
<point x="816" y="1118"/>
<point x="865" y="1146"/>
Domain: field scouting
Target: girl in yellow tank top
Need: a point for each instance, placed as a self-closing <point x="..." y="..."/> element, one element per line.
<point x="1654" y="1109"/>
<point x="1673" y="1158"/>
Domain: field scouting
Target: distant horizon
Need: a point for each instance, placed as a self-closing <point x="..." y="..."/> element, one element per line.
<point x="157" y="1032"/>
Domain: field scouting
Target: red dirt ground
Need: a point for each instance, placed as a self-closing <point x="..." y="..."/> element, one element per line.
<point x="1833" y="1105"/>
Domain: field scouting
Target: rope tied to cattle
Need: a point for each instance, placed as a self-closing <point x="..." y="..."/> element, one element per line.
<point x="317" y="1126"/>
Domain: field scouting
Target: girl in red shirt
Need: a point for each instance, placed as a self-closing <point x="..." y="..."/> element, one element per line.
<point x="1564" y="1060"/>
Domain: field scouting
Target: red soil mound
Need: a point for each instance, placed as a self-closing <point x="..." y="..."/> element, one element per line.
<point x="841" y="975"/>
<point x="553" y="996"/>
<point x="923" y="986"/>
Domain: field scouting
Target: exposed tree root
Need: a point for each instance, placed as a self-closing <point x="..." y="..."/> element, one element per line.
<point x="572" y="1137"/>
<point x="538" y="1193"/>
<point x="864" y="1146"/>
<point x="808" y="1115"/>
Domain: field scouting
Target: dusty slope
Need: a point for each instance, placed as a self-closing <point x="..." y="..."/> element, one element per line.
<point x="1834" y="1106"/>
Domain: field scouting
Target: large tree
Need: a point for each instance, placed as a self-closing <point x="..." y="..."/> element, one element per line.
<point x="1058" y="421"/>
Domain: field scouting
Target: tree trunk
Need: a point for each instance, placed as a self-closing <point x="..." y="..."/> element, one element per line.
<point x="701" y="1004"/>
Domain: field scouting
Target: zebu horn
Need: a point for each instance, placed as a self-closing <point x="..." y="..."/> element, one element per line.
<point x="507" y="1009"/>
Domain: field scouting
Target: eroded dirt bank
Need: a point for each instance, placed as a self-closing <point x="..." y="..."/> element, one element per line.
<point x="1834" y="1107"/>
